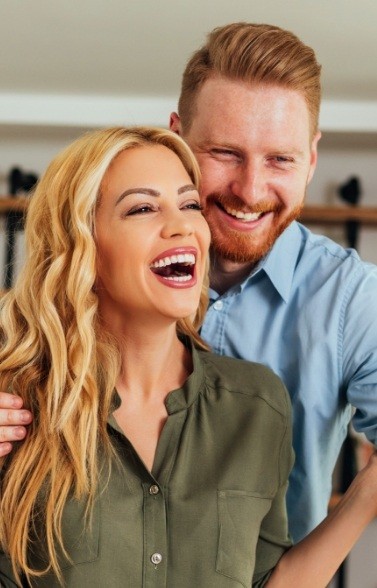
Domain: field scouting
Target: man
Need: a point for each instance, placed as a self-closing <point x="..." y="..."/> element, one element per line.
<point x="280" y="295"/>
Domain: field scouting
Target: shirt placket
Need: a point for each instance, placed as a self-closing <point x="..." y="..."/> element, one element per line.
<point x="214" y="327"/>
<point x="155" y="536"/>
<point x="155" y="504"/>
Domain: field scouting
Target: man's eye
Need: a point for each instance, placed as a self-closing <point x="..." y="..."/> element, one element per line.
<point x="282" y="159"/>
<point x="223" y="153"/>
<point x="226" y="156"/>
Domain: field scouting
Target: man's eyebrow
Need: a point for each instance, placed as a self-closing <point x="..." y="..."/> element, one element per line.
<point x="147" y="191"/>
<point x="187" y="188"/>
<point x="288" y="151"/>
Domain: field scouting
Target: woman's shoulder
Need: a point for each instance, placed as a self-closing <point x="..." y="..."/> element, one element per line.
<point x="245" y="377"/>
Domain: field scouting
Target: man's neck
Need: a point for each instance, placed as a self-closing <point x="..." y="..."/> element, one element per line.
<point x="225" y="274"/>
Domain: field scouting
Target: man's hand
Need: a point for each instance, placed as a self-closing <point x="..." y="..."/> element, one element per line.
<point x="13" y="419"/>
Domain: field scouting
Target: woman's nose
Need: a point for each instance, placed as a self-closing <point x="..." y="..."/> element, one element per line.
<point x="176" y="224"/>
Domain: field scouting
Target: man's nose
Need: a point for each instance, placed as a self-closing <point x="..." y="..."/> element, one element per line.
<point x="176" y="224"/>
<point x="249" y="184"/>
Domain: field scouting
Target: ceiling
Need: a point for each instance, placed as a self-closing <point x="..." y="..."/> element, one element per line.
<point x="139" y="47"/>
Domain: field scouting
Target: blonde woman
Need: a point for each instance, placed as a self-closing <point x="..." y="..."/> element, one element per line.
<point x="150" y="461"/>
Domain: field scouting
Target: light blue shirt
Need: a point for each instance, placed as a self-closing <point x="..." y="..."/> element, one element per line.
<point x="309" y="312"/>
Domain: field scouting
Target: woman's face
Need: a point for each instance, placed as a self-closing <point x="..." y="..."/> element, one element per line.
<point x="152" y="240"/>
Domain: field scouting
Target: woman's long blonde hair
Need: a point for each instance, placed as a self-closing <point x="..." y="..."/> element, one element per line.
<point x="53" y="353"/>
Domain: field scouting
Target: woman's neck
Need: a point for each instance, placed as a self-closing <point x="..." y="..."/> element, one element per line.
<point x="154" y="362"/>
<point x="152" y="366"/>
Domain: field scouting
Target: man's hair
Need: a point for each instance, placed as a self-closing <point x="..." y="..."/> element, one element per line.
<point x="253" y="53"/>
<point x="55" y="352"/>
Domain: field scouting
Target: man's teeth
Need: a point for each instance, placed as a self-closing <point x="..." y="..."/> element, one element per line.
<point x="186" y="258"/>
<point x="246" y="216"/>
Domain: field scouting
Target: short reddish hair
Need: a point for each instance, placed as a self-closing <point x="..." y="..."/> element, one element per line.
<point x="255" y="53"/>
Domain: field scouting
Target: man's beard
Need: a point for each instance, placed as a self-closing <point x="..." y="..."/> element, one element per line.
<point x="244" y="247"/>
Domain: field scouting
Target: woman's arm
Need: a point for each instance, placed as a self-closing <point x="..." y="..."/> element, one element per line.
<point x="315" y="559"/>
<point x="13" y="419"/>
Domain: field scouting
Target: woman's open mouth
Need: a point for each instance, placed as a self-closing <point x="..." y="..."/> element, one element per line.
<point x="178" y="268"/>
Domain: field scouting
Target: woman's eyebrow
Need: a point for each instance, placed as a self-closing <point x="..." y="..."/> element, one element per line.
<point x="187" y="188"/>
<point x="147" y="191"/>
<point x="151" y="192"/>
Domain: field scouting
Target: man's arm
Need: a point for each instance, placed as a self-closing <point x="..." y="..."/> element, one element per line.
<point x="316" y="558"/>
<point x="13" y="419"/>
<point x="359" y="353"/>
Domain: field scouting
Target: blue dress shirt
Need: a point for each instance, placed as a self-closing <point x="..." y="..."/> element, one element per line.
<point x="309" y="312"/>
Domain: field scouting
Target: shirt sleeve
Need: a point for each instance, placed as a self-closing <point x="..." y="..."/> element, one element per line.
<point x="274" y="537"/>
<point x="359" y="352"/>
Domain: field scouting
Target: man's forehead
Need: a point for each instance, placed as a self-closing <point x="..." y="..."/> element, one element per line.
<point x="230" y="112"/>
<point x="232" y="96"/>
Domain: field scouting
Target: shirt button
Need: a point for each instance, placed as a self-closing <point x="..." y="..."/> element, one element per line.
<point x="156" y="558"/>
<point x="154" y="489"/>
<point x="218" y="305"/>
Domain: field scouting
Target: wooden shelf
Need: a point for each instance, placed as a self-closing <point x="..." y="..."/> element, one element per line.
<point x="339" y="214"/>
<point x="18" y="203"/>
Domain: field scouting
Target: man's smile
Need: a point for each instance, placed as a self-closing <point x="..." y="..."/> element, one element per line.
<point x="241" y="215"/>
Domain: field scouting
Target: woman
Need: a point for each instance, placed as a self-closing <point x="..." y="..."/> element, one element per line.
<point x="150" y="462"/>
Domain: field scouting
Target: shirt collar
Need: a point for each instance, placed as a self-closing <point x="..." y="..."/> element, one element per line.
<point x="279" y="264"/>
<point x="182" y="398"/>
<point x="176" y="400"/>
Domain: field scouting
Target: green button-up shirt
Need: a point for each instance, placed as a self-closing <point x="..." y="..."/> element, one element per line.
<point x="211" y="514"/>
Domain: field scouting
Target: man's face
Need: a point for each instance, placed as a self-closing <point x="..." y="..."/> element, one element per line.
<point x="256" y="155"/>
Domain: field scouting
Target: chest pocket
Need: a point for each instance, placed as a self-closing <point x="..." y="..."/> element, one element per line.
<point x="240" y="515"/>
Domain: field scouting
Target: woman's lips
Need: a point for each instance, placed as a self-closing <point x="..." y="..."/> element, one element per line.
<point x="176" y="267"/>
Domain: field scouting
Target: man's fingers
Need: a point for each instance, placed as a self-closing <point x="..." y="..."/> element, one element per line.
<point x="12" y="420"/>
<point x="10" y="401"/>
<point x="14" y="417"/>
<point x="5" y="448"/>
<point x="12" y="413"/>
<point x="11" y="434"/>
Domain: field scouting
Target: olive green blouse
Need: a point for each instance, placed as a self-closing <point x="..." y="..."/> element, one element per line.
<point x="211" y="514"/>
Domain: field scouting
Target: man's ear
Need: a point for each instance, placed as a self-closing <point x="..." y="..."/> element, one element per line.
<point x="313" y="155"/>
<point x="175" y="123"/>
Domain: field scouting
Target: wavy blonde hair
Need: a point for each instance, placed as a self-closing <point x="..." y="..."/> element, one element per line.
<point x="53" y="353"/>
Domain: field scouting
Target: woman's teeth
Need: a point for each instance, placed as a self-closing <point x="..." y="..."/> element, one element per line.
<point x="184" y="278"/>
<point x="182" y="258"/>
<point x="177" y="268"/>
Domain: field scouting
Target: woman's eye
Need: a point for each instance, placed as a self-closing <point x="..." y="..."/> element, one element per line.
<point x="140" y="209"/>
<point x="193" y="206"/>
